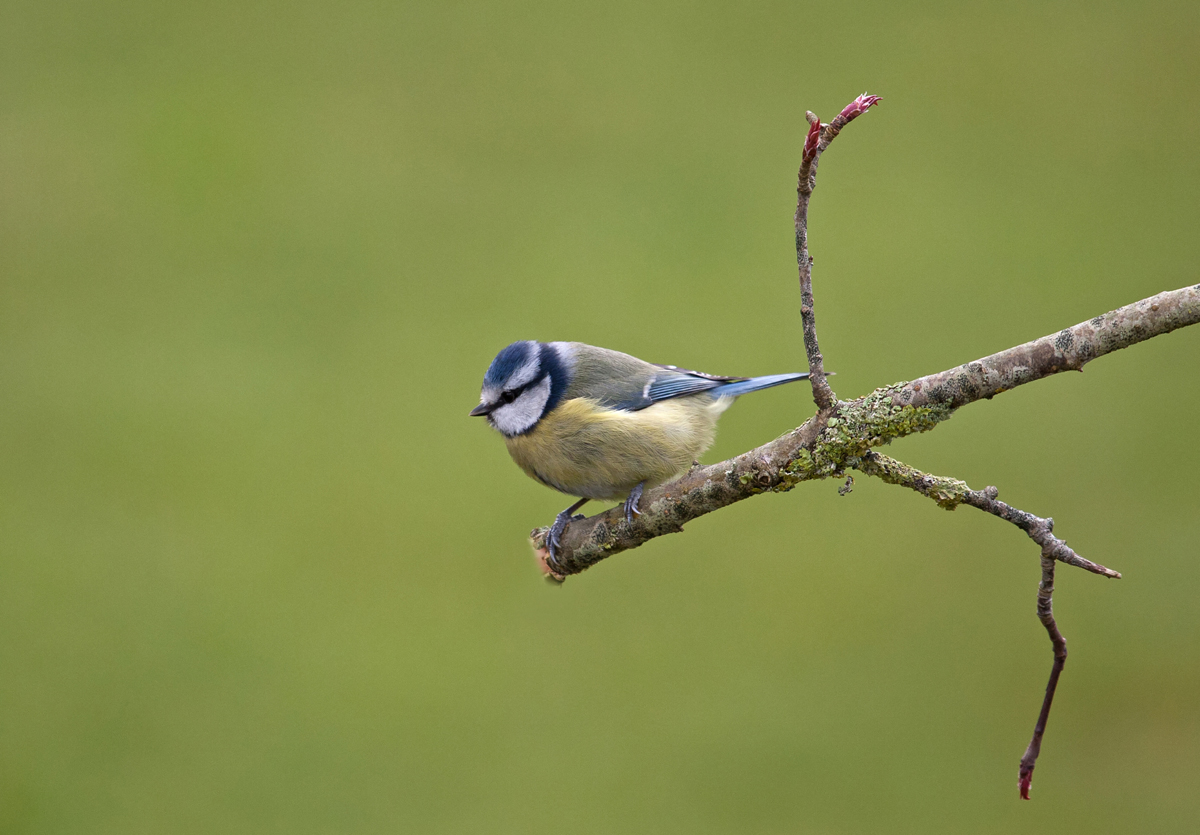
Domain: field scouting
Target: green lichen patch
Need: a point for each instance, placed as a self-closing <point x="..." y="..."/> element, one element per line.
<point x="856" y="427"/>
<point x="881" y="417"/>
<point x="949" y="493"/>
<point x="802" y="468"/>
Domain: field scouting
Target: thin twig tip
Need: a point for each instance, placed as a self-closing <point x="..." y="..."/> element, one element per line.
<point x="859" y="106"/>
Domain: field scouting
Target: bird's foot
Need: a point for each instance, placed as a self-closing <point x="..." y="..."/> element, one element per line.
<point x="631" y="503"/>
<point x="554" y="538"/>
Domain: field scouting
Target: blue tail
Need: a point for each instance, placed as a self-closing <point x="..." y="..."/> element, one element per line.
<point x="756" y="383"/>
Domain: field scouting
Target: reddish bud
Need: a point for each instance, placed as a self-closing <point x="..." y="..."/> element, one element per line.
<point x="810" y="141"/>
<point x="859" y="106"/>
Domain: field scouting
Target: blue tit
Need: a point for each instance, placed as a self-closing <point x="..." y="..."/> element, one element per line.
<point x="600" y="424"/>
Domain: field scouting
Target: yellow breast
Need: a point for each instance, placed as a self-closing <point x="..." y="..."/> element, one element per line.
<point x="586" y="450"/>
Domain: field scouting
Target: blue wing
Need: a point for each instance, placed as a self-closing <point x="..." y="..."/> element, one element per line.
<point x="664" y="383"/>
<point x="673" y="382"/>
<point x="677" y="385"/>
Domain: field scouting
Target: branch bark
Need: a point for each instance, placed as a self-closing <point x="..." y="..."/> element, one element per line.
<point x="1068" y="350"/>
<point x="949" y="493"/>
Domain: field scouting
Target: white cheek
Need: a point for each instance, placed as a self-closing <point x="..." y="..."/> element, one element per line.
<point x="519" y="416"/>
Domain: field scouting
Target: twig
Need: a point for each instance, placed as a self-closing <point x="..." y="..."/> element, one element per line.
<point x="1045" y="612"/>
<point x="818" y="139"/>
<point x="949" y="493"/>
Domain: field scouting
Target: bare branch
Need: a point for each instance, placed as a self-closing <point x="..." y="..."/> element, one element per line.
<point x="818" y="139"/>
<point x="1045" y="612"/>
<point x="1068" y="350"/>
<point x="949" y="493"/>
<point x="829" y="443"/>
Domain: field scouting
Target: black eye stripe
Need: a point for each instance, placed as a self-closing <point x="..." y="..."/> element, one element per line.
<point x="510" y="396"/>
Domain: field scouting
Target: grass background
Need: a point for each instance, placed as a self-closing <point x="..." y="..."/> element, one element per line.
<point x="259" y="572"/>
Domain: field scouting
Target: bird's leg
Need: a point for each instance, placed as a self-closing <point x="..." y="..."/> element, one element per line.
<point x="631" y="503"/>
<point x="554" y="538"/>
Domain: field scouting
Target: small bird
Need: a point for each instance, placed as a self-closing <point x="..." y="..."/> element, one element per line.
<point x="600" y="424"/>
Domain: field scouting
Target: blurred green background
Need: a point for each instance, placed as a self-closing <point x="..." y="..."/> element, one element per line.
<point x="260" y="573"/>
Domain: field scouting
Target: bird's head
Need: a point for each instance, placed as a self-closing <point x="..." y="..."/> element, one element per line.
<point x="524" y="382"/>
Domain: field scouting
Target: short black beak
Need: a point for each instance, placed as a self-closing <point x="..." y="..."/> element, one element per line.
<point x="480" y="410"/>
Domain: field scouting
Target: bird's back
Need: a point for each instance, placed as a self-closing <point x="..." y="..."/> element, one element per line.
<point x="608" y="377"/>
